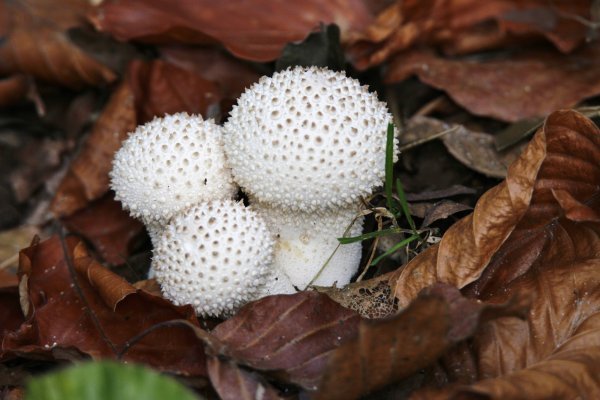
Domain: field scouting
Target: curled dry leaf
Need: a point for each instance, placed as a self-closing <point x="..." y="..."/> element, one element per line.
<point x="510" y="89"/>
<point x="87" y="178"/>
<point x="35" y="42"/>
<point x="161" y="88"/>
<point x="464" y="26"/>
<point x="386" y="351"/>
<point x="546" y="243"/>
<point x="108" y="227"/>
<point x="256" y="30"/>
<point x="289" y="336"/>
<point x="100" y="313"/>
<point x="473" y="241"/>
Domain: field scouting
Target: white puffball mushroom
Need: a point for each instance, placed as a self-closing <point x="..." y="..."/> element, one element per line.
<point x="169" y="164"/>
<point x="305" y="242"/>
<point x="215" y="256"/>
<point x="306" y="139"/>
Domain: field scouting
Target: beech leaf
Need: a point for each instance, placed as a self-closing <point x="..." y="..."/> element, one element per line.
<point x="36" y="43"/>
<point x="100" y="314"/>
<point x="87" y="178"/>
<point x="291" y="336"/>
<point x="256" y="30"/>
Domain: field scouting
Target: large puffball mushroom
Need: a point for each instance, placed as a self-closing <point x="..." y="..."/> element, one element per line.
<point x="306" y="246"/>
<point x="215" y="256"/>
<point x="169" y="164"/>
<point x="306" y="139"/>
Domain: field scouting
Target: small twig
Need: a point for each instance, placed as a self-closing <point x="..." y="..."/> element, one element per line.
<point x="9" y="261"/>
<point x="418" y="142"/>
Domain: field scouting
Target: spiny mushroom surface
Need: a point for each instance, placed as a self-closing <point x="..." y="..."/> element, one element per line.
<point x="307" y="139"/>
<point x="169" y="164"/>
<point x="215" y="256"/>
<point x="306" y="241"/>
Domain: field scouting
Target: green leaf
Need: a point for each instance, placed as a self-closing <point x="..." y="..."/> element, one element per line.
<point x="395" y="248"/>
<point x="370" y="235"/>
<point x="404" y="205"/>
<point x="389" y="167"/>
<point x="106" y="380"/>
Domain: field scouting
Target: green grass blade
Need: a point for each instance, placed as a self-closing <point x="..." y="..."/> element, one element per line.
<point x="404" y="205"/>
<point x="395" y="248"/>
<point x="370" y="235"/>
<point x="389" y="167"/>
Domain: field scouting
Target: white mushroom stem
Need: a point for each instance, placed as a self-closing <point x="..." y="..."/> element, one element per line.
<point x="306" y="245"/>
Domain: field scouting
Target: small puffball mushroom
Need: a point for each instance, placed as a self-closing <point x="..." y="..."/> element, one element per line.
<point x="169" y="164"/>
<point x="215" y="256"/>
<point x="306" y="241"/>
<point x="306" y="139"/>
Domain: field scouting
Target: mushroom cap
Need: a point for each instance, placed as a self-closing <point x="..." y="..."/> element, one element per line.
<point x="305" y="241"/>
<point x="215" y="256"/>
<point x="307" y="139"/>
<point x="169" y="164"/>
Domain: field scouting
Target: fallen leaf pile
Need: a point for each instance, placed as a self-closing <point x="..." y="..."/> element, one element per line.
<point x="501" y="303"/>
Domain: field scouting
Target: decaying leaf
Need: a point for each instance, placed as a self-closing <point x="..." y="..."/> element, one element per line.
<point x="232" y="382"/>
<point x="372" y="298"/>
<point x="100" y="314"/>
<point x="87" y="178"/>
<point x="36" y="43"/>
<point x="476" y="150"/>
<point x="262" y="28"/>
<point x="509" y="88"/>
<point x="161" y="88"/>
<point x="232" y="75"/>
<point x="464" y="26"/>
<point x="551" y="251"/>
<point x="14" y="89"/>
<point x="386" y="351"/>
<point x="108" y="227"/>
<point x="290" y="336"/>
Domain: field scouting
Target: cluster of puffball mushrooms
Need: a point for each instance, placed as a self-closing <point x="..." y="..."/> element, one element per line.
<point x="305" y="145"/>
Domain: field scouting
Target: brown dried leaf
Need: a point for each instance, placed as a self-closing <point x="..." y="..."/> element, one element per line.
<point x="234" y="383"/>
<point x="468" y="242"/>
<point x="36" y="43"/>
<point x="442" y="210"/>
<point x="290" y="336"/>
<point x="386" y="351"/>
<point x="503" y="88"/>
<point x="464" y="26"/>
<point x="108" y="227"/>
<point x="11" y="316"/>
<point x="87" y="178"/>
<point x="14" y="89"/>
<point x="551" y="252"/>
<point x="97" y="314"/>
<point x="231" y="74"/>
<point x="476" y="150"/>
<point x="161" y="88"/>
<point x="560" y="156"/>
<point x="256" y="30"/>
